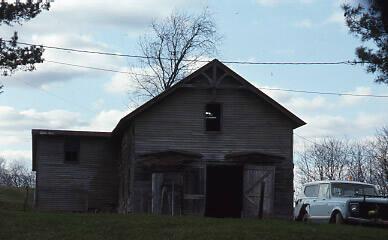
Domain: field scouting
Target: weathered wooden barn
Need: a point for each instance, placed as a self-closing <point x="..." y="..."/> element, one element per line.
<point x="212" y="145"/>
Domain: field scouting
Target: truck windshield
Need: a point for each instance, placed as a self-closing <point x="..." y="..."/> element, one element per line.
<point x="351" y="190"/>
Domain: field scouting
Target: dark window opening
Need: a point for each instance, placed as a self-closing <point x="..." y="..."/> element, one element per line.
<point x="71" y="149"/>
<point x="213" y="117"/>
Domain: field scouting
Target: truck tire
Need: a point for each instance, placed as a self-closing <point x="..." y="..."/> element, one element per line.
<point x="338" y="219"/>
<point x="305" y="217"/>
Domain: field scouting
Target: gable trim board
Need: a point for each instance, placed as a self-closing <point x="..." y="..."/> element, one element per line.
<point x="125" y="121"/>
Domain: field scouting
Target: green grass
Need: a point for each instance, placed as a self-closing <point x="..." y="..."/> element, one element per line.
<point x="13" y="198"/>
<point x="39" y="225"/>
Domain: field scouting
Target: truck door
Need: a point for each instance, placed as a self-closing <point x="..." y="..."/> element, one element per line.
<point x="319" y="207"/>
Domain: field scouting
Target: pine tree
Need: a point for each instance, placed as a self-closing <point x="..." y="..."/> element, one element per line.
<point x="369" y="21"/>
<point x="12" y="56"/>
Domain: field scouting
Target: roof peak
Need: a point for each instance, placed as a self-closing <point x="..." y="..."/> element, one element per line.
<point x="124" y="122"/>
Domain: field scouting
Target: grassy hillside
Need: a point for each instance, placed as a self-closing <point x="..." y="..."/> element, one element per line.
<point x="13" y="198"/>
<point x="16" y="224"/>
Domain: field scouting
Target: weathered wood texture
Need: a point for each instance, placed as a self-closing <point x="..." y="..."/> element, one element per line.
<point x="90" y="184"/>
<point x="163" y="151"/>
<point x="248" y="124"/>
<point x="258" y="190"/>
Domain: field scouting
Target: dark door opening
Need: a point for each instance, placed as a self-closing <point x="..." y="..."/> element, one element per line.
<point x="224" y="191"/>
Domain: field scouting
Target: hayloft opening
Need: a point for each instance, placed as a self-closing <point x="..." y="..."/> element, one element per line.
<point x="213" y="117"/>
<point x="224" y="191"/>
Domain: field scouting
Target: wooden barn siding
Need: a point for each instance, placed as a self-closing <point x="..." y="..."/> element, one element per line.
<point x="248" y="124"/>
<point x="75" y="187"/>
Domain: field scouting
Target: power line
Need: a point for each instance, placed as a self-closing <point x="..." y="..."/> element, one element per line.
<point x="97" y="68"/>
<point x="325" y="93"/>
<point x="261" y="88"/>
<point x="61" y="98"/>
<point x="346" y="62"/>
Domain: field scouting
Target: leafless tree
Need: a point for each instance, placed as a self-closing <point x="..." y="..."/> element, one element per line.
<point x="359" y="165"/>
<point x="4" y="180"/>
<point x="15" y="175"/>
<point x="379" y="155"/>
<point x="334" y="159"/>
<point x="324" y="161"/>
<point x="173" y="47"/>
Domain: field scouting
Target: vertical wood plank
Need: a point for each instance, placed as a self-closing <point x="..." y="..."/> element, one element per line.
<point x="258" y="185"/>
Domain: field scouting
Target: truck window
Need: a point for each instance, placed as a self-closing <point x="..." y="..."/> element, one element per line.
<point x="311" y="191"/>
<point x="352" y="190"/>
<point x="323" y="190"/>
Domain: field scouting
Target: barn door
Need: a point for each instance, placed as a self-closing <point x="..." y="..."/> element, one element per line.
<point x="258" y="191"/>
<point x="194" y="191"/>
<point x="167" y="193"/>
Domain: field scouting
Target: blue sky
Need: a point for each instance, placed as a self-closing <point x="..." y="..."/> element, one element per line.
<point x="62" y="97"/>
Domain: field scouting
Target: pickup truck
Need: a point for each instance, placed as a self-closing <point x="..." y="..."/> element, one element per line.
<point x="341" y="202"/>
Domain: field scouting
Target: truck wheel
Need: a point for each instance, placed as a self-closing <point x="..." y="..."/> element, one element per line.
<point x="338" y="219"/>
<point x="305" y="217"/>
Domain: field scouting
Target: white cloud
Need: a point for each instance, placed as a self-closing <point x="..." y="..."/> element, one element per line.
<point x="336" y="17"/>
<point x="295" y="102"/>
<point x="120" y="13"/>
<point x="126" y="83"/>
<point x="69" y="24"/>
<point x="12" y="119"/>
<point x="358" y="127"/>
<point x="47" y="75"/>
<point x="303" y="104"/>
<point x="325" y="125"/>
<point x="306" y="1"/>
<point x="285" y="52"/>
<point x="351" y="100"/>
<point x="20" y="156"/>
<point x="305" y="23"/>
<point x="280" y="96"/>
<point x="99" y="103"/>
<point x="272" y="3"/>
<point x="106" y="120"/>
<point x="338" y="3"/>
<point x="268" y="2"/>
<point x="367" y="121"/>
<point x="122" y="83"/>
<point x="88" y="15"/>
<point x="16" y="125"/>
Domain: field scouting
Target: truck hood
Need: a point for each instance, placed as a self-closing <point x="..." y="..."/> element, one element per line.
<point x="369" y="200"/>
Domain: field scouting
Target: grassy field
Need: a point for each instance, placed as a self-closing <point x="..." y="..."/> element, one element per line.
<point x="13" y="198"/>
<point x="16" y="224"/>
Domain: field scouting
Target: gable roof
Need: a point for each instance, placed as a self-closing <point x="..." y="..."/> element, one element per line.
<point x="125" y="121"/>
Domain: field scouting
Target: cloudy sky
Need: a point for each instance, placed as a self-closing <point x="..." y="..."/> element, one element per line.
<point x="63" y="97"/>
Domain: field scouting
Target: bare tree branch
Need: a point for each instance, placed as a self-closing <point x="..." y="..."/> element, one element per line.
<point x="173" y="42"/>
<point x="335" y="159"/>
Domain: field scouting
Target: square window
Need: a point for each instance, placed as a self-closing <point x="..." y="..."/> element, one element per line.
<point x="213" y="117"/>
<point x="71" y="149"/>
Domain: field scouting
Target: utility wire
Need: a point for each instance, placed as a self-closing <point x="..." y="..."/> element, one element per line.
<point x="324" y="93"/>
<point x="261" y="88"/>
<point x="346" y="62"/>
<point x="72" y="103"/>
<point x="97" y="68"/>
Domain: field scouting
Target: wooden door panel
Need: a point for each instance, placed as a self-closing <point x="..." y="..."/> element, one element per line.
<point x="167" y="193"/>
<point x="258" y="190"/>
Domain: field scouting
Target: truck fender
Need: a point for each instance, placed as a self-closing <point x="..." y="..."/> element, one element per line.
<point x="305" y="208"/>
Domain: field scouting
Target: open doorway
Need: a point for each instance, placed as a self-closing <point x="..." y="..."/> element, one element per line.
<point x="224" y="191"/>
